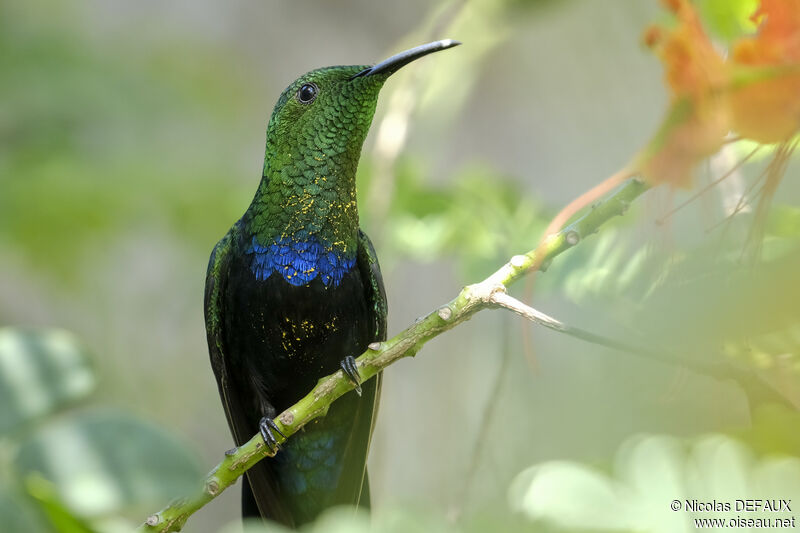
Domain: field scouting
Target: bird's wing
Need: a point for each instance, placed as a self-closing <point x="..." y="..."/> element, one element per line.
<point x="367" y="261"/>
<point x="242" y="428"/>
<point x="376" y="293"/>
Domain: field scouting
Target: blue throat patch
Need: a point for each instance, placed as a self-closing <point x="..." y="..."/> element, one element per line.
<point x="299" y="261"/>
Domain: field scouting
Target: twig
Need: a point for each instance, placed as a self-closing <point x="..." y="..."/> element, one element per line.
<point x="507" y="301"/>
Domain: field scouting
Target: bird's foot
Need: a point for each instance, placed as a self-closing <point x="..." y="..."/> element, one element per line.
<point x="267" y="426"/>
<point x="350" y="369"/>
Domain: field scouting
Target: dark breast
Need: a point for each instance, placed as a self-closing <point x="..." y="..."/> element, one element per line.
<point x="283" y="337"/>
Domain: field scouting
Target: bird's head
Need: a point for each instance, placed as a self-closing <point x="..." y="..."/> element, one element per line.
<point x="326" y="113"/>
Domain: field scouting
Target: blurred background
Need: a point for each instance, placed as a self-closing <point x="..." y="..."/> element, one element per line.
<point x="131" y="138"/>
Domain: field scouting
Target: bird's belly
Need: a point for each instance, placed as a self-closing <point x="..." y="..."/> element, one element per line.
<point x="286" y="337"/>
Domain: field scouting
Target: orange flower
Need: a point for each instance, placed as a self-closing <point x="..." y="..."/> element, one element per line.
<point x="693" y="67"/>
<point x="698" y="119"/>
<point x="767" y="109"/>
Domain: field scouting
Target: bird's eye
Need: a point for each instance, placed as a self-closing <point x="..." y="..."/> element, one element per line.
<point x="307" y="93"/>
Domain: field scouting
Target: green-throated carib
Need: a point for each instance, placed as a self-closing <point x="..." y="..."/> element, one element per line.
<point x="294" y="291"/>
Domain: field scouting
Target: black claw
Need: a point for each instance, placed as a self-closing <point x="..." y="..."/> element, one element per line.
<point x="266" y="427"/>
<point x="350" y="369"/>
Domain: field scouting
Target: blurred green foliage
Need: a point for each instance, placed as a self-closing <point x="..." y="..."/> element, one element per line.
<point x="649" y="474"/>
<point x="476" y="218"/>
<point x="41" y="372"/>
<point x="62" y="471"/>
<point x="80" y="162"/>
<point x="705" y="299"/>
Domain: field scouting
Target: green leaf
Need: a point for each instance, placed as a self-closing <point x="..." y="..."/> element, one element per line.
<point x="107" y="461"/>
<point x="549" y="493"/>
<point x="18" y="514"/>
<point x="41" y="371"/>
<point x="651" y="474"/>
<point x="59" y="516"/>
<point x="728" y="19"/>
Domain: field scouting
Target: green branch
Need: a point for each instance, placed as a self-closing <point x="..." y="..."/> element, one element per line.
<point x="489" y="293"/>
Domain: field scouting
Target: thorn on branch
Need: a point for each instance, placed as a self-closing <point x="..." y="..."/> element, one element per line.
<point x="507" y="301"/>
<point x="572" y="237"/>
<point x="212" y="487"/>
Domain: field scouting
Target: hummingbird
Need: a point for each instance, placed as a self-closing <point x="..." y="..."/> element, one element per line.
<point x="294" y="292"/>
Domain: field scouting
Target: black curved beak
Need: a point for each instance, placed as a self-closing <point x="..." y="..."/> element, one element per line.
<point x="396" y="62"/>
